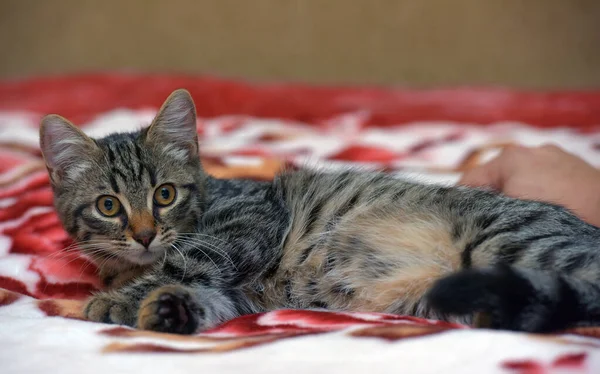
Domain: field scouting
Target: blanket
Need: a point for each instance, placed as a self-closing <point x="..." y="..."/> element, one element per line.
<point x="251" y="131"/>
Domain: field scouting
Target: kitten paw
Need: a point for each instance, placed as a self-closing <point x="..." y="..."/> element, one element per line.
<point x="109" y="307"/>
<point x="170" y="309"/>
<point x="496" y="298"/>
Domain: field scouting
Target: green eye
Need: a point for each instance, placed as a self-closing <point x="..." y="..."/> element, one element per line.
<point x="164" y="195"/>
<point x="108" y="206"/>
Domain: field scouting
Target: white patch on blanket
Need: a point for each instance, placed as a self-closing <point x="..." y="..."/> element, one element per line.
<point x="16" y="266"/>
<point x="5" y="245"/>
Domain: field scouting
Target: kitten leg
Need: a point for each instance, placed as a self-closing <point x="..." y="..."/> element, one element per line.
<point x="158" y="304"/>
<point x="121" y="305"/>
<point x="184" y="310"/>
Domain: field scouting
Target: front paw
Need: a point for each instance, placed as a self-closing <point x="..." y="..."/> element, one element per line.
<point x="171" y="309"/>
<point x="110" y="307"/>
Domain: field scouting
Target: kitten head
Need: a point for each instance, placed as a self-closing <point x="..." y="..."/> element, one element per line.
<point x="126" y="197"/>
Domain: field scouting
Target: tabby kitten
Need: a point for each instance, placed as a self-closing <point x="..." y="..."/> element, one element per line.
<point x="210" y="250"/>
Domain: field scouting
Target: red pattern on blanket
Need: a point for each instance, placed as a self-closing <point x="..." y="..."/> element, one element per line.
<point x="251" y="131"/>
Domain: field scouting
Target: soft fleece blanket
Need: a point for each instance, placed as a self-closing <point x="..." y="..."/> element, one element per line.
<point x="251" y="131"/>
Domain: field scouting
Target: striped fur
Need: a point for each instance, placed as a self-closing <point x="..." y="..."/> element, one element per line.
<point x="350" y="241"/>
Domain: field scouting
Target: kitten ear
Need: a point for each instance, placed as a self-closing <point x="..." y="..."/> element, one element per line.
<point x="174" y="127"/>
<point x="65" y="148"/>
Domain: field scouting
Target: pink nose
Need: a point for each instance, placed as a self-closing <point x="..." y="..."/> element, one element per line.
<point x="144" y="237"/>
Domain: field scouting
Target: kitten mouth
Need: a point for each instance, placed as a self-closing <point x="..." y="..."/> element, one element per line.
<point x="146" y="257"/>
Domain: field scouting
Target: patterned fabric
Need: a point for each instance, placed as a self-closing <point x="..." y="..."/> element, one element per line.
<point x="252" y="131"/>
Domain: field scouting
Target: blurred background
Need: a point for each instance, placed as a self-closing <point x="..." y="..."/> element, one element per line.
<point x="414" y="43"/>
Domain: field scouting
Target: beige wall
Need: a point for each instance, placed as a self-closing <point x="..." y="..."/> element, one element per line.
<point x="526" y="43"/>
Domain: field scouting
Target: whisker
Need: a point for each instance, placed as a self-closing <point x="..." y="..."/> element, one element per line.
<point x="164" y="259"/>
<point x="107" y="257"/>
<point x="73" y="247"/>
<point x="190" y="236"/>
<point x="203" y="235"/>
<point x="210" y="259"/>
<point x="94" y="252"/>
<point x="210" y="247"/>
<point x="87" y="263"/>
<point x="184" y="261"/>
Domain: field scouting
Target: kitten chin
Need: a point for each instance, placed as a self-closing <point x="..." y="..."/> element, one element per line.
<point x="144" y="257"/>
<point x="113" y="280"/>
<point x="118" y="272"/>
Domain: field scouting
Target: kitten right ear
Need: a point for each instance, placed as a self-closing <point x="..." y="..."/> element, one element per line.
<point x="174" y="127"/>
<point x="65" y="148"/>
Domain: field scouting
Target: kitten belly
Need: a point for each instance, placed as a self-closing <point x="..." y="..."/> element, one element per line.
<point x="376" y="260"/>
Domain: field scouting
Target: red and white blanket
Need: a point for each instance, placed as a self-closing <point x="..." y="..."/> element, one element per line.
<point x="251" y="131"/>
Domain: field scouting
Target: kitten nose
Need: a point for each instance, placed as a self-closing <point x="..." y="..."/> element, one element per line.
<point x="144" y="237"/>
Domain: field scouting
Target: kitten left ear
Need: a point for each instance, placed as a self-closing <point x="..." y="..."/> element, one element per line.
<point x="67" y="151"/>
<point x="174" y="127"/>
